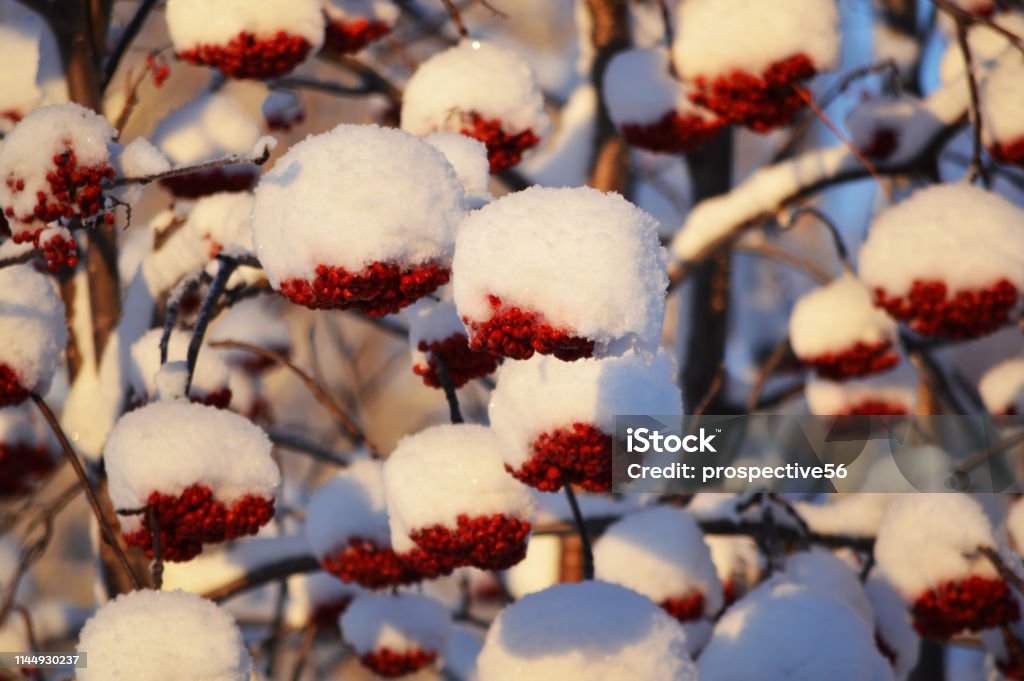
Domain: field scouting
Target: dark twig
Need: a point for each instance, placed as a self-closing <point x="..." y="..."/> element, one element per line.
<point x="969" y="19"/>
<point x="336" y="89"/>
<point x="581" y="528"/>
<point x="90" y="493"/>
<point x="767" y="370"/>
<point x="227" y="267"/>
<point x="980" y="457"/>
<point x="298" y="443"/>
<point x="975" y="168"/>
<point x="158" y="556"/>
<point x="302" y="657"/>
<point x="131" y="31"/>
<point x="772" y="252"/>
<point x="28" y="256"/>
<point x="837" y="239"/>
<point x="263" y="575"/>
<point x="232" y="159"/>
<point x="353" y="431"/>
<point x="1004" y="570"/>
<point x="449" y="389"/>
<point x="171" y="317"/>
<point x="456" y="17"/>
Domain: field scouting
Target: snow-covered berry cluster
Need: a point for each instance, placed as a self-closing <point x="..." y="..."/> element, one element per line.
<point x="191" y="474"/>
<point x="480" y="90"/>
<point x="395" y="635"/>
<point x="33" y="333"/>
<point x="437" y="337"/>
<point x="354" y="24"/>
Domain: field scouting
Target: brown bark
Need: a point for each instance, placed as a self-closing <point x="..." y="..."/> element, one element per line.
<point x="610" y="35"/>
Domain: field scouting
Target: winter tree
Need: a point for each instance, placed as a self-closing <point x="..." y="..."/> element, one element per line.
<point x="316" y="317"/>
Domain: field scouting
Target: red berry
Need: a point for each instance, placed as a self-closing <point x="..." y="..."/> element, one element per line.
<point x="504" y="149"/>
<point x="349" y="37"/>
<point x="973" y="604"/>
<point x="388" y="663"/>
<point x="673" y="133"/>
<point x="462" y="363"/>
<point x="932" y="310"/>
<point x="378" y="289"/>
<point x="517" y="334"/>
<point x="246" y="56"/>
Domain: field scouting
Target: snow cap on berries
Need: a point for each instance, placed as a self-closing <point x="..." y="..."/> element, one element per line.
<point x="786" y="632"/>
<point x="469" y="159"/>
<point x="651" y="107"/>
<point x="1002" y="387"/>
<point x="354" y="24"/>
<point x="209" y="380"/>
<point x="446" y="473"/>
<point x="40" y="159"/>
<point x="169" y="446"/>
<point x="891" y="393"/>
<point x="246" y="39"/>
<point x="717" y="37"/>
<point x="590" y="630"/>
<point x="33" y="333"/>
<point x="348" y="506"/>
<point x="837" y="329"/>
<point x="588" y="264"/>
<point x="823" y="571"/>
<point x="481" y="90"/>
<point x="1002" y="110"/>
<point x="906" y="259"/>
<point x="893" y="630"/>
<point x="301" y="221"/>
<point x="397" y="634"/>
<point x="163" y="636"/>
<point x="539" y="397"/>
<point x="661" y="554"/>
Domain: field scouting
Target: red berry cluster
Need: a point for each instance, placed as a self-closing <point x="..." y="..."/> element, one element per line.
<point x="876" y="407"/>
<point x="199" y="184"/>
<point x="13" y="115"/>
<point x="860" y="360"/>
<point x="761" y="103"/>
<point x="504" y="149"/>
<point x="161" y="72"/>
<point x="349" y="37"/>
<point x="883" y="143"/>
<point x="58" y="251"/>
<point x="365" y="562"/>
<point x="462" y="363"/>
<point x="22" y="466"/>
<point x="580" y="455"/>
<point x="427" y="564"/>
<point x="73" y="191"/>
<point x="377" y="290"/>
<point x="11" y="390"/>
<point x="931" y="310"/>
<point x="246" y="56"/>
<point x="388" y="663"/>
<point x="220" y="398"/>
<point x="326" y="616"/>
<point x="686" y="608"/>
<point x="194" y="517"/>
<point x="673" y="133"/>
<point x="973" y="604"/>
<point x="516" y="333"/>
<point x="494" y="542"/>
<point x="1008" y="152"/>
<point x="285" y="121"/>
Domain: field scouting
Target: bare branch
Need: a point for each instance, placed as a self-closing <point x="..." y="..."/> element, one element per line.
<point x="456" y="17"/>
<point x="131" y="31"/>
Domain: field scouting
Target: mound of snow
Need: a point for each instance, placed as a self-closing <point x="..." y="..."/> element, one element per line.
<point x="33" y="332"/>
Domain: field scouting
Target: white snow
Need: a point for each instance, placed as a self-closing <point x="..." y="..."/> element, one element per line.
<point x="282" y="108"/>
<point x="209" y="126"/>
<point x="591" y="630"/>
<point x="914" y="239"/>
<point x="350" y="505"/>
<point x="463" y="648"/>
<point x="1015" y="526"/>
<point x="257" y="321"/>
<point x="211" y="373"/>
<point x="353" y="196"/>
<point x="837" y="316"/>
<point x="195" y="22"/>
<point x="19" y="53"/>
<point x="430" y="321"/>
<point x="922" y="540"/>
<point x="469" y="159"/>
<point x="854" y="515"/>
<point x="168" y="446"/>
<point x="893" y="624"/>
<point x="785" y="632"/>
<point x="474" y="77"/>
<point x="588" y="391"/>
<point x="439" y="473"/>
<point x="140" y="159"/>
<point x="639" y="88"/>
<point x="349" y="10"/>
<point x="587" y="261"/>
<point x="894" y="115"/>
<point x="33" y="332"/>
<point x="717" y="37"/>
<point x="400" y="622"/>
<point x="28" y="150"/>
<point x="822" y="571"/>
<point x="830" y="398"/>
<point x="988" y="47"/>
<point x="1002" y="386"/>
<point x="224" y="221"/>
<point x="162" y="636"/>
<point x="736" y="560"/>
<point x="1002" y="103"/>
<point x="661" y="554"/>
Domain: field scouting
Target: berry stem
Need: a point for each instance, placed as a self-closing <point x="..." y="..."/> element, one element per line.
<point x="975" y="169"/>
<point x="158" y="560"/>
<point x="581" y="528"/>
<point x="173" y="308"/>
<point x="90" y="493"/>
<point x="837" y="239"/>
<point x="231" y="159"/>
<point x="449" y="389"/>
<point x="217" y="286"/>
<point x="1004" y="570"/>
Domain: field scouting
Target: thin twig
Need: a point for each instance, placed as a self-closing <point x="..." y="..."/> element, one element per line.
<point x="173" y="307"/>
<point x="353" y="431"/>
<point x="263" y="575"/>
<point x="449" y="389"/>
<point x="231" y="159"/>
<point x="969" y="18"/>
<point x="90" y="493"/>
<point x="975" y="168"/>
<point x="336" y="89"/>
<point x="298" y="443"/>
<point x="766" y="371"/>
<point x="581" y="528"/>
<point x="302" y="657"/>
<point x="158" y="556"/>
<point x="456" y="17"/>
<point x="28" y="256"/>
<point x="771" y="252"/>
<point x="131" y="31"/>
<point x="227" y="267"/>
<point x="1004" y="570"/>
<point x="837" y="239"/>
